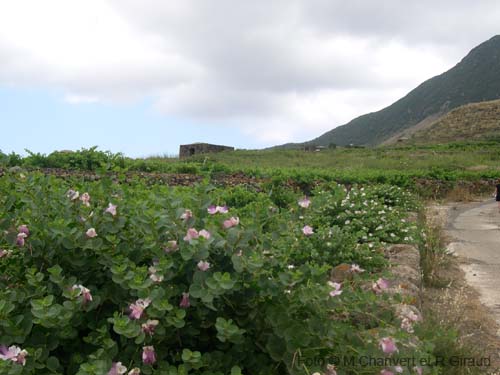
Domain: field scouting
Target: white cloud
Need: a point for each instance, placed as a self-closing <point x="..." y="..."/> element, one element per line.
<point x="282" y="70"/>
<point x="79" y="99"/>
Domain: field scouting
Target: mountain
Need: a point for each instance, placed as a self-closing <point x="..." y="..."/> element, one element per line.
<point x="474" y="79"/>
<point x="476" y="121"/>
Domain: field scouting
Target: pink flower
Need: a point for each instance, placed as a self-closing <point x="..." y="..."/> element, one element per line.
<point x="148" y="355"/>
<point x="184" y="301"/>
<point x="117" y="369"/>
<point x="398" y="369"/>
<point x="111" y="209"/>
<point x="187" y="215"/>
<point x="149" y="326"/>
<point x="87" y="297"/>
<point x="82" y="291"/>
<point x="137" y="308"/>
<point x="232" y="222"/>
<point x="205" y="234"/>
<point x="72" y="194"/>
<point x="413" y="317"/>
<point x="380" y="285"/>
<point x="24" y="229"/>
<point x="304" y="202"/>
<point x="171" y="247"/>
<point x="4" y="253"/>
<point x="135" y="371"/>
<point x="408" y="320"/>
<point x="191" y="235"/>
<point x="307" y="230"/>
<point x="203" y="266"/>
<point x="85" y="198"/>
<point x="14" y="354"/>
<point x="356" y="269"/>
<point x="336" y="289"/>
<point x="212" y="210"/>
<point x="388" y="345"/>
<point x="20" y="239"/>
<point x="91" y="233"/>
<point x="386" y="372"/>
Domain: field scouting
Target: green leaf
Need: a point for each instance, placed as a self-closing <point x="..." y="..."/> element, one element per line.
<point x="126" y="327"/>
<point x="162" y="305"/>
<point x="53" y="364"/>
<point x="187" y="252"/>
<point x="237" y="263"/>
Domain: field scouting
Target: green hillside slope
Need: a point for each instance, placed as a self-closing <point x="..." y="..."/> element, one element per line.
<point x="475" y="79"/>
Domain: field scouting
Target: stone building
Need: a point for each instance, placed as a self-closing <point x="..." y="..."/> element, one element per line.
<point x="201" y="148"/>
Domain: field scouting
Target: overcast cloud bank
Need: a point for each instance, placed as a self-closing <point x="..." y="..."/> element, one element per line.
<point x="282" y="70"/>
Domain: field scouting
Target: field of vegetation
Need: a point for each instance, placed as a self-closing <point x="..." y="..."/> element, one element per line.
<point x="430" y="171"/>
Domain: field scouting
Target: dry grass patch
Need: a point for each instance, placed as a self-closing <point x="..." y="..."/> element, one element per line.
<point x="459" y="194"/>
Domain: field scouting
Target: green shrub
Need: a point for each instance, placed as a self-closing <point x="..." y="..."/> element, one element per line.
<point x="77" y="303"/>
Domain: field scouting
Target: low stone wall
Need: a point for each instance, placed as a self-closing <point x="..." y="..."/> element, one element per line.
<point x="405" y="268"/>
<point x="406" y="279"/>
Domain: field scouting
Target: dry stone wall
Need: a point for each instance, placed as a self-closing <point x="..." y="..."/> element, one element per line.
<point x="201" y="148"/>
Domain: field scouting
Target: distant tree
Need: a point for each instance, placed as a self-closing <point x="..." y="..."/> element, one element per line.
<point x="332" y="146"/>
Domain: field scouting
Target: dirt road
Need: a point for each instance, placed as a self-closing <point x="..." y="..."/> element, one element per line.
<point x="475" y="234"/>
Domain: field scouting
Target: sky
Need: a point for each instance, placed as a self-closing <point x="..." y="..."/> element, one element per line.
<point x="144" y="76"/>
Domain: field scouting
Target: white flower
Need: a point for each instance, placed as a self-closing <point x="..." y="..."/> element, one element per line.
<point x="72" y="194"/>
<point x="203" y="265"/>
<point x="156" y="278"/>
<point x="91" y="233"/>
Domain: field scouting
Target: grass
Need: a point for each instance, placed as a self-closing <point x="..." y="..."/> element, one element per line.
<point x="448" y="347"/>
<point x="432" y="251"/>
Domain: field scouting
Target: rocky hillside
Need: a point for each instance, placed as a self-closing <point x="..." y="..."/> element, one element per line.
<point x="477" y="121"/>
